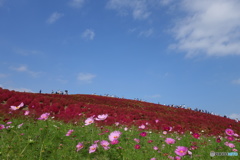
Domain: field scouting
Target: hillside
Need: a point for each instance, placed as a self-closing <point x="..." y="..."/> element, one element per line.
<point x="72" y="108"/>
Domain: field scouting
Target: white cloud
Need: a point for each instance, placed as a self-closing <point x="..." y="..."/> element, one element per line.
<point x="85" y="77"/>
<point x="137" y="8"/>
<point x="146" y="33"/>
<point x="76" y="3"/>
<point x="234" y="116"/>
<point x="210" y="27"/>
<point x="88" y="34"/>
<point x="236" y="81"/>
<point x="25" y="69"/>
<point x="54" y="17"/>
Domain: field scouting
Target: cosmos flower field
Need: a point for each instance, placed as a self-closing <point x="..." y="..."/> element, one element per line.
<point x="51" y="126"/>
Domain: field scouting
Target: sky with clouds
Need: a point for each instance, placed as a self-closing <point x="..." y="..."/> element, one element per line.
<point x="184" y="52"/>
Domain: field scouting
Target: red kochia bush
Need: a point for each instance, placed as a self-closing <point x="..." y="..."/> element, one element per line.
<point x="72" y="108"/>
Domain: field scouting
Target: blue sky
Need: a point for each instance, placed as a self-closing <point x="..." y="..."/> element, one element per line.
<point x="171" y="52"/>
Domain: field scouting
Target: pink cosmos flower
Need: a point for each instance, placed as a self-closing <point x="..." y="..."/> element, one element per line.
<point x="234" y="150"/>
<point x="181" y="150"/>
<point x="143" y="134"/>
<point x="2" y="126"/>
<point x="79" y="146"/>
<point x="142" y="126"/>
<point x="153" y="159"/>
<point x="165" y="132"/>
<point x="69" y="132"/>
<point x="156" y="120"/>
<point x="230" y="138"/>
<point x="26" y="113"/>
<point x="171" y="157"/>
<point x="137" y="146"/>
<point x="229" y="132"/>
<point x="20" y="125"/>
<point x="89" y="120"/>
<point x="93" y="148"/>
<point x="114" y="142"/>
<point x="170" y="141"/>
<point x="9" y="123"/>
<point x="17" y="107"/>
<point x="114" y="135"/>
<point x="155" y="148"/>
<point x="44" y="116"/>
<point x="136" y="140"/>
<point x="101" y="117"/>
<point x="105" y="144"/>
<point x="231" y="145"/>
<point x="177" y="158"/>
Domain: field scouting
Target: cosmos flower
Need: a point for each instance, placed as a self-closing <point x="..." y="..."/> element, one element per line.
<point x="26" y="113"/>
<point x="79" y="146"/>
<point x="136" y="140"/>
<point x="69" y="132"/>
<point x="142" y="126"/>
<point x="2" y="126"/>
<point x="44" y="116"/>
<point x="218" y="140"/>
<point x="114" y="141"/>
<point x="143" y="134"/>
<point x="196" y="135"/>
<point x="17" y="107"/>
<point x="114" y="135"/>
<point x="170" y="141"/>
<point x="229" y="132"/>
<point x="93" y="148"/>
<point x="137" y="146"/>
<point x="101" y="117"/>
<point x="181" y="150"/>
<point x="105" y="144"/>
<point x="155" y="148"/>
<point x="230" y="138"/>
<point x="89" y="120"/>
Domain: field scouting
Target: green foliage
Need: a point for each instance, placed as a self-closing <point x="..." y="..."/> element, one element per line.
<point x="47" y="140"/>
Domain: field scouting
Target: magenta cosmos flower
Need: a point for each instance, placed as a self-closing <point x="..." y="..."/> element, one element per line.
<point x="137" y="146"/>
<point x="114" y="142"/>
<point x="143" y="134"/>
<point x="230" y="138"/>
<point x="17" y="107"/>
<point x="114" y="135"/>
<point x="196" y="135"/>
<point x="229" y="132"/>
<point x="79" y="146"/>
<point x="181" y="150"/>
<point x="69" y="132"/>
<point x="89" y="120"/>
<point x="101" y="117"/>
<point x="2" y="126"/>
<point x="170" y="141"/>
<point x="44" y="116"/>
<point x="93" y="148"/>
<point x="105" y="144"/>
